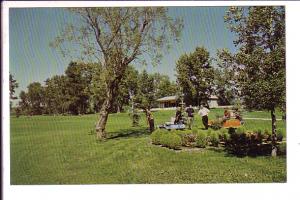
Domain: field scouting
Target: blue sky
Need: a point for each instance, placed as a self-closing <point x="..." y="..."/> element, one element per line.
<point x="32" y="29"/>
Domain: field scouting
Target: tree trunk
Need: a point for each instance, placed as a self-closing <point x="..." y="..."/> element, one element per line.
<point x="274" y="148"/>
<point x="111" y="93"/>
<point x="101" y="124"/>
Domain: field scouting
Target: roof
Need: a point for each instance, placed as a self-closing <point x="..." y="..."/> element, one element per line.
<point x="168" y="98"/>
<point x="213" y="97"/>
<point x="174" y="98"/>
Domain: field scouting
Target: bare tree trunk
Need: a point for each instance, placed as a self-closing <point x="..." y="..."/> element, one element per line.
<point x="274" y="148"/>
<point x="111" y="92"/>
<point x="101" y="124"/>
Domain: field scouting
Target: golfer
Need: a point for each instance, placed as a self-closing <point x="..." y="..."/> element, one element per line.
<point x="203" y="112"/>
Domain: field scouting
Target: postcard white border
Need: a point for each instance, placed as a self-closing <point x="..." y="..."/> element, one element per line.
<point x="179" y="191"/>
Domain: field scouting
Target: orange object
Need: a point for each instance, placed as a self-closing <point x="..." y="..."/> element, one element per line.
<point x="232" y="123"/>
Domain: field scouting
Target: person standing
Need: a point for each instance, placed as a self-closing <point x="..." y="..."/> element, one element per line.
<point x="150" y="120"/>
<point x="203" y="112"/>
<point x="178" y="116"/>
<point x="190" y="116"/>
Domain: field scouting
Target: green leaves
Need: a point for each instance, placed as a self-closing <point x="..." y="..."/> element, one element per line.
<point x="261" y="40"/>
<point x="195" y="75"/>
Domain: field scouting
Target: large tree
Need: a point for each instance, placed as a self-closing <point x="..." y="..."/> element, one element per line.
<point x="35" y="98"/>
<point x="12" y="87"/>
<point x="115" y="37"/>
<point x="164" y="86"/>
<point x="260" y="35"/>
<point x="79" y="76"/>
<point x="24" y="103"/>
<point x="56" y="94"/>
<point x="146" y="94"/>
<point x="226" y="86"/>
<point x="195" y="76"/>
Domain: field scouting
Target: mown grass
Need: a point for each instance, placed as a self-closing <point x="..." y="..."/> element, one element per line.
<point x="63" y="150"/>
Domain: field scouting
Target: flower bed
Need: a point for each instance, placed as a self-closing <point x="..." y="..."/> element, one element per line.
<point x="236" y="141"/>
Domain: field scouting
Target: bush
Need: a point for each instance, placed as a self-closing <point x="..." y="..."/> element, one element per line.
<point x="267" y="135"/>
<point x="214" y="139"/>
<point x="156" y="136"/>
<point x="194" y="131"/>
<point x="244" y="143"/>
<point x="208" y="137"/>
<point x="216" y="124"/>
<point x="281" y="149"/>
<point x="223" y="130"/>
<point x="240" y="130"/>
<point x="231" y="130"/>
<point x="279" y="134"/>
<point x="187" y="137"/>
<point x="226" y="137"/>
<point x="223" y="134"/>
<point x="201" y="140"/>
<point x="171" y="140"/>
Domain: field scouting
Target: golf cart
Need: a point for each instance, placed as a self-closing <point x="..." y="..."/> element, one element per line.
<point x="172" y="126"/>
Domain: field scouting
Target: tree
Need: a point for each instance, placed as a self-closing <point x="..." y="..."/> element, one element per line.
<point x="146" y="94"/>
<point x="35" y="98"/>
<point x="56" y="101"/>
<point x="128" y="88"/>
<point x="115" y="37"/>
<point x="12" y="86"/>
<point x="24" y="103"/>
<point x="164" y="87"/>
<point x="226" y="86"/>
<point x="195" y="76"/>
<point x="79" y="77"/>
<point x="261" y="57"/>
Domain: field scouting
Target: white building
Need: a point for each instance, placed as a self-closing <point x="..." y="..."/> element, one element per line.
<point x="213" y="101"/>
<point x="172" y="102"/>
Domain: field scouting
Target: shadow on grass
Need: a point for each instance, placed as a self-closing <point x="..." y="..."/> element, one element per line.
<point x="126" y="133"/>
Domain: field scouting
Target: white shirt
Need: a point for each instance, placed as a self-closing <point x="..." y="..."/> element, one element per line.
<point x="203" y="112"/>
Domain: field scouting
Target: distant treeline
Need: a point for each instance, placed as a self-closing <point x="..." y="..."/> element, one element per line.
<point x="81" y="90"/>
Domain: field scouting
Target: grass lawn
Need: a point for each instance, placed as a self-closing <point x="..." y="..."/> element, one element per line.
<point x="62" y="150"/>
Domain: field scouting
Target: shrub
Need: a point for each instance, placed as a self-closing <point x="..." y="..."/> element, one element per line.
<point x="201" y="140"/>
<point x="156" y="136"/>
<point x="226" y="137"/>
<point x="258" y="131"/>
<point x="223" y="134"/>
<point x="216" y="124"/>
<point x="188" y="138"/>
<point x="259" y="136"/>
<point x="240" y="130"/>
<point x="208" y="137"/>
<point x="281" y="149"/>
<point x="194" y="131"/>
<point x="279" y="134"/>
<point x="223" y="130"/>
<point x="247" y="143"/>
<point x="267" y="134"/>
<point x="231" y="130"/>
<point x="214" y="139"/>
<point x="171" y="140"/>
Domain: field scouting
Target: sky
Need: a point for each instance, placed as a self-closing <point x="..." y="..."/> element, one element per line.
<point x="31" y="59"/>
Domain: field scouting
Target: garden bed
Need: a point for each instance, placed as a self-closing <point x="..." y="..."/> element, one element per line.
<point x="238" y="141"/>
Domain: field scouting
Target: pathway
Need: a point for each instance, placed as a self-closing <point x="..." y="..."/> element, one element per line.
<point x="264" y="119"/>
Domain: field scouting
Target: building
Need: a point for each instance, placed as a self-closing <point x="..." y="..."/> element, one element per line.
<point x="172" y="101"/>
<point x="213" y="101"/>
<point x="167" y="102"/>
